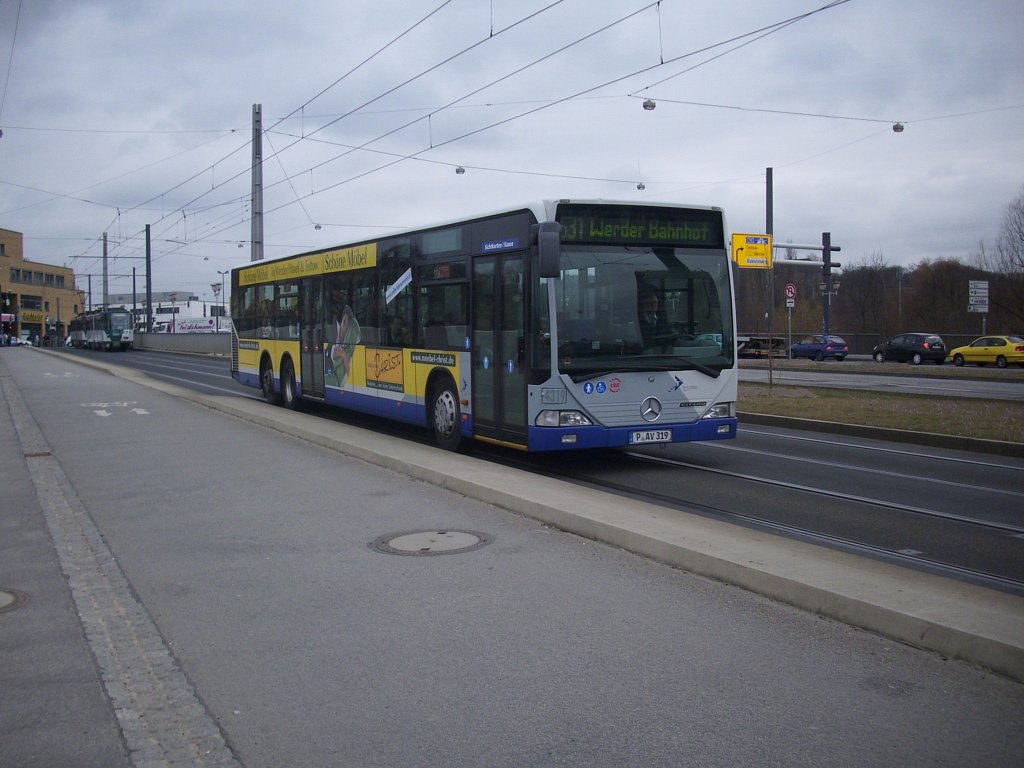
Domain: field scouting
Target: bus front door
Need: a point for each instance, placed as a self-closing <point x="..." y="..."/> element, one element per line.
<point x="312" y="324"/>
<point x="499" y="357"/>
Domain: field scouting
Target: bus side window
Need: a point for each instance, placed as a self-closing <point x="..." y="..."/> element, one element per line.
<point x="444" y="315"/>
<point x="286" y="319"/>
<point x="435" y="337"/>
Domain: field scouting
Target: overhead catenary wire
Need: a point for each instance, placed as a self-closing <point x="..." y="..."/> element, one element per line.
<point x="311" y="100"/>
<point x="10" y="61"/>
<point x="453" y="103"/>
<point x="246" y="144"/>
<point x="391" y="90"/>
<point x="564" y="99"/>
<point x="546" y="105"/>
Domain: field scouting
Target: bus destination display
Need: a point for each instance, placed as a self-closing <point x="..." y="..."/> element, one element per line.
<point x="641" y="225"/>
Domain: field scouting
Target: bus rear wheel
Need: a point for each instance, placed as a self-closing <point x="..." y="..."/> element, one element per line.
<point x="267" y="383"/>
<point x="447" y="416"/>
<point x="288" y="397"/>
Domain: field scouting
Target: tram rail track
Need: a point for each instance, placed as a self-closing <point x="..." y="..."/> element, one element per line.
<point x="1006" y="528"/>
<point x="903" y="557"/>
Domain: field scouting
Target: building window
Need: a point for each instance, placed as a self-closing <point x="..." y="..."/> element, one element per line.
<point x="60" y="281"/>
<point x="37" y="278"/>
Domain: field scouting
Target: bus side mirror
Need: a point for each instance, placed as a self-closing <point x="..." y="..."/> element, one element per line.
<point x="549" y="245"/>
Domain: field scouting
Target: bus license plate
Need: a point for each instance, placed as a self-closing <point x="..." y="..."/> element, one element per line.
<point x="651" y="436"/>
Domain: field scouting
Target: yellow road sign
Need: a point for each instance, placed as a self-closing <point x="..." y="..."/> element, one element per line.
<point x="752" y="251"/>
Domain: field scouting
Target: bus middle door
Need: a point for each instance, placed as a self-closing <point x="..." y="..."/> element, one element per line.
<point x="312" y="323"/>
<point x="499" y="359"/>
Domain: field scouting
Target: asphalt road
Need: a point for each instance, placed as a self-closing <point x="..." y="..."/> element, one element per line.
<point x="299" y="644"/>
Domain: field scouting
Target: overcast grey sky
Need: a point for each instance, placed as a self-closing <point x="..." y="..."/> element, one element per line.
<point x="121" y="113"/>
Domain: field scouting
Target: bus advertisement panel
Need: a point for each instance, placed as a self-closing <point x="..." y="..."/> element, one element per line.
<point x="564" y="325"/>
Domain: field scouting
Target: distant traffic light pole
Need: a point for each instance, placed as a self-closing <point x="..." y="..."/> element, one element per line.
<point x="827" y="265"/>
<point x="829" y="283"/>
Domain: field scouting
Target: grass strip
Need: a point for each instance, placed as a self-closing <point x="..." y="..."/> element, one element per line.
<point x="966" y="417"/>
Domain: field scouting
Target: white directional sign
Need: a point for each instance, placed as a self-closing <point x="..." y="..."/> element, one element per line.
<point x="977" y="296"/>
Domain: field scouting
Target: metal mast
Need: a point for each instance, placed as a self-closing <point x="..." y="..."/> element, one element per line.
<point x="257" y="182"/>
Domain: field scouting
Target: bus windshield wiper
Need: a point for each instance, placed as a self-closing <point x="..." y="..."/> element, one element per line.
<point x="677" y="363"/>
<point x="707" y="370"/>
<point x="598" y="374"/>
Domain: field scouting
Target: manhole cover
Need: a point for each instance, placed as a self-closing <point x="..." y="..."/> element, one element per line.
<point x="11" y="599"/>
<point x="430" y="542"/>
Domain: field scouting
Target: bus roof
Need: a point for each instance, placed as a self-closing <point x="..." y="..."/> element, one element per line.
<point x="543" y="210"/>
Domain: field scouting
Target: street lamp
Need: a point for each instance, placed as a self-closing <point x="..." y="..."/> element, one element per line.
<point x="222" y="293"/>
<point x="216" y="296"/>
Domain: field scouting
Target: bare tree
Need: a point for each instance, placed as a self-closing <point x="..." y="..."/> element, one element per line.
<point x="866" y="304"/>
<point x="1006" y="294"/>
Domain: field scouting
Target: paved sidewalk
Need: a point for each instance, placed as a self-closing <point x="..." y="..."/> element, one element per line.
<point x="54" y="705"/>
<point x="58" y="705"/>
<point x="955" y="619"/>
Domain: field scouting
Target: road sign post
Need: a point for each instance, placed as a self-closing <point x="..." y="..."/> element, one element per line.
<point x="790" y="303"/>
<point x="977" y="299"/>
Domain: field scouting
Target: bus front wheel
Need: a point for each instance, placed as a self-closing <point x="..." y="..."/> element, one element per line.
<point x="447" y="418"/>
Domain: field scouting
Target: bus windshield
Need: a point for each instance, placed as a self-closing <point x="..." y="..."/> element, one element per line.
<point x="636" y="309"/>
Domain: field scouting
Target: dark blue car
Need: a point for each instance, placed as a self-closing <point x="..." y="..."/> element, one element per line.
<point x="819" y="347"/>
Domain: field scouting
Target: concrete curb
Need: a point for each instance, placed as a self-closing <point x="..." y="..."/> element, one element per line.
<point x="962" y="621"/>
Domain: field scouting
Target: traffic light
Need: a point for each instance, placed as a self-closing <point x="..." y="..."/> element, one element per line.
<point x="827" y="265"/>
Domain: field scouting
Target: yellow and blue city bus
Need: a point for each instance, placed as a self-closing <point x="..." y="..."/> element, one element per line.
<point x="562" y="325"/>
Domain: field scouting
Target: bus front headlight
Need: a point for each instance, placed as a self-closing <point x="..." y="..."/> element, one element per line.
<point x="562" y="419"/>
<point x="720" y="411"/>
